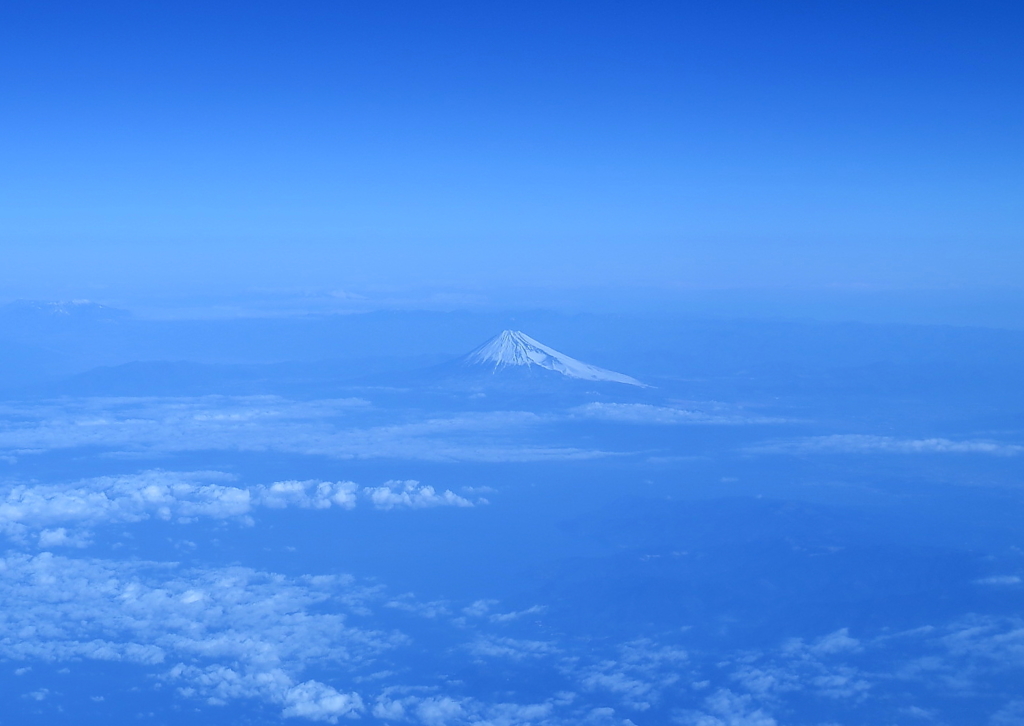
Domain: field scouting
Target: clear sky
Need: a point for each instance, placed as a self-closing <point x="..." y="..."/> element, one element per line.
<point x="228" y="146"/>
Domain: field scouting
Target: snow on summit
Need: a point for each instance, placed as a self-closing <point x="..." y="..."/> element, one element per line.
<point x="514" y="348"/>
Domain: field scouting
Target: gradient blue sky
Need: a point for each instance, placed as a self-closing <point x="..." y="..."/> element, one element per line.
<point x="218" y="147"/>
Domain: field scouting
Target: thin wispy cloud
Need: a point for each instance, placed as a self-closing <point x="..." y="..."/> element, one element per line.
<point x="863" y="443"/>
<point x="643" y="413"/>
<point x="340" y="428"/>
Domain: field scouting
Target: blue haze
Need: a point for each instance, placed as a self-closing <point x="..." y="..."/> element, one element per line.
<point x="248" y="476"/>
<point x="796" y="523"/>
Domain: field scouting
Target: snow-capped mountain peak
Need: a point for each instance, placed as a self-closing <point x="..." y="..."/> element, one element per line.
<point x="515" y="348"/>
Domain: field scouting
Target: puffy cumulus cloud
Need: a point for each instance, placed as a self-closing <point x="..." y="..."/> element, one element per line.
<point x="181" y="496"/>
<point x="643" y="413"/>
<point x="306" y="494"/>
<point x="129" y="498"/>
<point x="58" y="513"/>
<point x="412" y="495"/>
<point x="319" y="702"/>
<point x="225" y="633"/>
<point x="335" y="428"/>
<point x="60" y="537"/>
<point x="860" y="443"/>
<point x="439" y="711"/>
<point x="310" y="699"/>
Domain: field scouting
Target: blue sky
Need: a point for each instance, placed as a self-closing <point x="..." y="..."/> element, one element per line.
<point x="224" y="147"/>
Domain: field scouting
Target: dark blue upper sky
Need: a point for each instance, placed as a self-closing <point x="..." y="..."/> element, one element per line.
<point x="365" y="145"/>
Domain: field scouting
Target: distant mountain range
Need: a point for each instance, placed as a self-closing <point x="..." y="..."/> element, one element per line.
<point x="83" y="348"/>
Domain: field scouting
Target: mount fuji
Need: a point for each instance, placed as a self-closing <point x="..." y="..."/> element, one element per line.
<point x="513" y="349"/>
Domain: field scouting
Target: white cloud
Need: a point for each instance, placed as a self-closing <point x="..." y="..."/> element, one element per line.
<point x="1012" y="714"/>
<point x="410" y="604"/>
<point x="58" y="513"/>
<point x="228" y="633"/>
<point x="311" y="699"/>
<point x="1000" y="580"/>
<point x="60" y="537"/>
<point x="439" y="711"/>
<point x="319" y="702"/>
<point x="987" y="642"/>
<point x="767" y="679"/>
<point x="428" y="709"/>
<point x="725" y="708"/>
<point x="835" y="642"/>
<point x="131" y="498"/>
<point x="643" y="413"/>
<point x="918" y="712"/>
<point x="860" y="443"/>
<point x="959" y="659"/>
<point x="639" y="675"/>
<point x="841" y="683"/>
<point x="479" y="608"/>
<point x="306" y="494"/>
<point x="334" y="428"/>
<point x="798" y="665"/>
<point x="412" y="495"/>
<point x="511" y="648"/>
<point x="517" y="614"/>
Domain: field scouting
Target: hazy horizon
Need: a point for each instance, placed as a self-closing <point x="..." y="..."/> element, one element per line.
<point x="792" y="155"/>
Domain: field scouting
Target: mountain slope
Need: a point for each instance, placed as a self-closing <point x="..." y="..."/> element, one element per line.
<point x="512" y="348"/>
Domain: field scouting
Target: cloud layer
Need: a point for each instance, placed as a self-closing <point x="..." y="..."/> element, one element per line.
<point x="218" y="634"/>
<point x="335" y="428"/>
